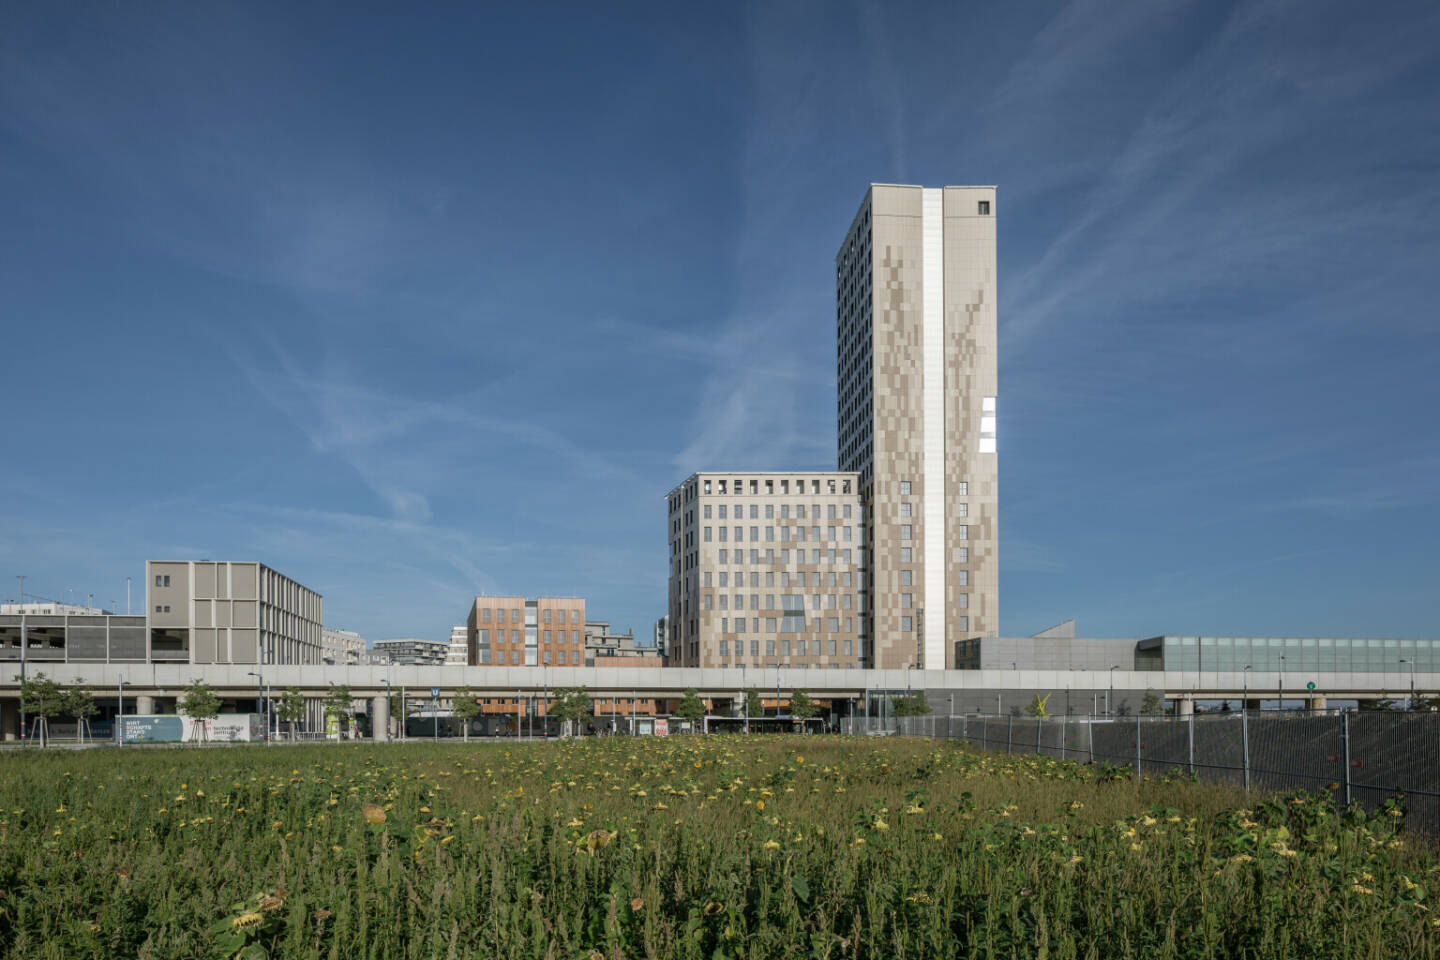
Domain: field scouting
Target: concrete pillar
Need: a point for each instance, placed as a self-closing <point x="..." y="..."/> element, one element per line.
<point x="144" y="705"/>
<point x="1318" y="703"/>
<point x="10" y="719"/>
<point x="380" y="718"/>
<point x="1184" y="707"/>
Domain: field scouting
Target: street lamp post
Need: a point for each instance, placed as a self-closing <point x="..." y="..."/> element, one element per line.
<point x="260" y="689"/>
<point x="744" y="699"/>
<point x="1245" y="703"/>
<point x="1110" y="698"/>
<point x="1280" y="685"/>
<point x="24" y="645"/>
<point x="120" y="711"/>
<point x="1411" y="661"/>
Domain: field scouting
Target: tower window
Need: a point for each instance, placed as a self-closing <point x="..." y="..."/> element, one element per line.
<point x="984" y="208"/>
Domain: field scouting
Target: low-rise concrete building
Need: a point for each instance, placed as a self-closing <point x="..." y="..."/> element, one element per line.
<point x="343" y="646"/>
<point x="230" y="612"/>
<point x="458" y="652"/>
<point x="199" y="612"/>
<point x="412" y="651"/>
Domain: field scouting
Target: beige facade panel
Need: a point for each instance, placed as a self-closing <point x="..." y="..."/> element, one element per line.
<point x="202" y="646"/>
<point x="205" y="580"/>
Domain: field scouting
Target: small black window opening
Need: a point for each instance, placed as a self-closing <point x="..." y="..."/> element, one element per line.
<point x="984" y="208"/>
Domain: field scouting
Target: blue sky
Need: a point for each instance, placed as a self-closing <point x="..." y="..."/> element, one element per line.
<point x="411" y="304"/>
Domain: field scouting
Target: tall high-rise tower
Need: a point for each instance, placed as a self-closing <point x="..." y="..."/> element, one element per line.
<point x="915" y="332"/>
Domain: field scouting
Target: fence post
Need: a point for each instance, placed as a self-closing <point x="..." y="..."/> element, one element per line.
<point x="1345" y="743"/>
<point x="1245" y="738"/>
<point x="1010" y="735"/>
<point x="1191" y="754"/>
<point x="1090" y="728"/>
<point x="1137" y="748"/>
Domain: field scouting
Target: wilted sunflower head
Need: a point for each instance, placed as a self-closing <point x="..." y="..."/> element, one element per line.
<point x="374" y="813"/>
<point x="247" y="920"/>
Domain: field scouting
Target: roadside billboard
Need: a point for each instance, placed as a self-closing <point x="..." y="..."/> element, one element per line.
<point x="174" y="728"/>
<point x="167" y="728"/>
<point x="229" y="727"/>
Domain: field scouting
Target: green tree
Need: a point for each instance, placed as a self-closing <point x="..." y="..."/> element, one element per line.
<point x="80" y="704"/>
<point x="691" y="707"/>
<point x="802" y="708"/>
<point x="464" y="706"/>
<point x="42" y="698"/>
<point x="199" y="703"/>
<point x="1151" y="705"/>
<point x="570" y="706"/>
<point x="754" y="706"/>
<point x="291" y="709"/>
<point x="398" y="705"/>
<point x="1039" y="707"/>
<point x="910" y="705"/>
<point x="340" y="703"/>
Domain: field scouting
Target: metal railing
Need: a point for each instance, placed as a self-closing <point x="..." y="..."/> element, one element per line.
<point x="1361" y="756"/>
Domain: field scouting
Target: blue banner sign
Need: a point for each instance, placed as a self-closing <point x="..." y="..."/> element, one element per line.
<point x="153" y="729"/>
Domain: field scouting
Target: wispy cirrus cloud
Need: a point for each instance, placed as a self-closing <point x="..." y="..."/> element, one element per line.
<point x="1192" y="201"/>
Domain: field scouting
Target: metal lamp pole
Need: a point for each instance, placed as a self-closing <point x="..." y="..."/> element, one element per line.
<point x="24" y="646"/>
<point x="1110" y="700"/>
<point x="1280" y="685"/>
<point x="1411" y="661"/>
<point x="744" y="699"/>
<point x="120" y="711"/>
<point x="260" y="689"/>
<point x="1245" y="703"/>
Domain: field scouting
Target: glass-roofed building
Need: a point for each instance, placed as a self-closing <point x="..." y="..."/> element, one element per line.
<point x="1305" y="654"/>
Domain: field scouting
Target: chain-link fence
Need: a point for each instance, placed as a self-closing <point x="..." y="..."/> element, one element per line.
<point x="1364" y="756"/>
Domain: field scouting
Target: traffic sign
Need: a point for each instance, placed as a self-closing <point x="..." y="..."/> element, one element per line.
<point x="1310" y="685"/>
<point x="435" y="691"/>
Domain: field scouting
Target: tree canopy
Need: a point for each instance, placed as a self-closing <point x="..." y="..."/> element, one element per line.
<point x="801" y="706"/>
<point x="910" y="705"/>
<point x="691" y="707"/>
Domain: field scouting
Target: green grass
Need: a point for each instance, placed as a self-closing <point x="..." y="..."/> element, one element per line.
<point x="683" y="847"/>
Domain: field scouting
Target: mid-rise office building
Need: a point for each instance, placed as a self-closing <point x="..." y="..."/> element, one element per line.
<point x="412" y="651"/>
<point x="766" y="569"/>
<point x="343" y="646"/>
<point x="915" y="290"/>
<point x="228" y="612"/>
<point x="458" y="652"/>
<point x="514" y="631"/>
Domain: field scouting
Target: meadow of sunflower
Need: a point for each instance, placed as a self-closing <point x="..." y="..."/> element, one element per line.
<point x="684" y="847"/>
